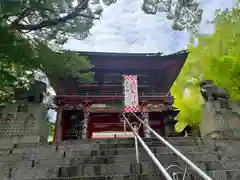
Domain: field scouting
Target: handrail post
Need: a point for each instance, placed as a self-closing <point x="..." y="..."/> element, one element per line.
<point x="125" y="128"/>
<point x="136" y="144"/>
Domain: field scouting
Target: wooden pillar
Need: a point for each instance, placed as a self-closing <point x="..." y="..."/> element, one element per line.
<point x="59" y="128"/>
<point x="145" y="118"/>
<point x="85" y="126"/>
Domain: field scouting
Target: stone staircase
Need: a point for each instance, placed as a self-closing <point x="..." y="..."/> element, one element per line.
<point x="116" y="160"/>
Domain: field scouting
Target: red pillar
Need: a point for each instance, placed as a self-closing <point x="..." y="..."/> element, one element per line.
<point x="59" y="128"/>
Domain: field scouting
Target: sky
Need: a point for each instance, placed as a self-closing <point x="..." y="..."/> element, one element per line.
<point x="124" y="27"/>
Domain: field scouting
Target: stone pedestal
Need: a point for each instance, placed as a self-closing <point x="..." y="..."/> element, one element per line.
<point x="219" y="121"/>
<point x="24" y="123"/>
<point x="168" y="129"/>
<point x="168" y="123"/>
<point x="221" y="116"/>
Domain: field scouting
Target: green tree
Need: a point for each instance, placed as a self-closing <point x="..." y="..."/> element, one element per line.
<point x="51" y="129"/>
<point x="217" y="58"/>
<point x="28" y="28"/>
<point x="185" y="14"/>
<point x="52" y="19"/>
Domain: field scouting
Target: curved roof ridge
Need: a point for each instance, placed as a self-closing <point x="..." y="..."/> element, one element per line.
<point x="87" y="53"/>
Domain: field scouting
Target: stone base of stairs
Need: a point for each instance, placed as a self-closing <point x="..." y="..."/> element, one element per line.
<point x="116" y="160"/>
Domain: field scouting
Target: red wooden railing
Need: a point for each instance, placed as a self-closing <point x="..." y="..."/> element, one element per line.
<point x="96" y="97"/>
<point x="111" y="94"/>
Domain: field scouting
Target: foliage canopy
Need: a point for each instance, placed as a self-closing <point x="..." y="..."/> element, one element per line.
<point x="216" y="57"/>
<point x="28" y="28"/>
<point x="185" y="14"/>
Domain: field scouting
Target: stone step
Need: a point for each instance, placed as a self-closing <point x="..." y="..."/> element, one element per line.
<point x="115" y="169"/>
<point x="163" y="157"/>
<point x="102" y="143"/>
<point x="173" y="140"/>
<point x="130" y="143"/>
<point x="147" y="167"/>
<point x="90" y="149"/>
<point x="215" y="175"/>
<point x="84" y="147"/>
<point x="131" y="151"/>
<point x="142" y="176"/>
<point x="94" y="144"/>
<point x="44" y="152"/>
<point x="49" y="151"/>
<point x="166" y="138"/>
<point x="184" y="142"/>
<point x="10" y="161"/>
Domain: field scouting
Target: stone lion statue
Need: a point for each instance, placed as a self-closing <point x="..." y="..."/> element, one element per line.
<point x="209" y="91"/>
<point x="35" y="94"/>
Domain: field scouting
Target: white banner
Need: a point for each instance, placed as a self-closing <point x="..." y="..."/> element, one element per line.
<point x="130" y="93"/>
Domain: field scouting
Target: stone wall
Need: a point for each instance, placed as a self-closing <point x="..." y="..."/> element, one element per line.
<point x="28" y="121"/>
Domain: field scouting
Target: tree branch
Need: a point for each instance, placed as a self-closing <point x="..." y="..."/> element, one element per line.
<point x="53" y="22"/>
<point x="21" y="16"/>
<point x="86" y="16"/>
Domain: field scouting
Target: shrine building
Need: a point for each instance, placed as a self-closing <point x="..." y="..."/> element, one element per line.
<point x="94" y="110"/>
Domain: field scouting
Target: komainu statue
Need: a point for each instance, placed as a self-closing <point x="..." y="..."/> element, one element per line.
<point x="210" y="92"/>
<point x="220" y="117"/>
<point x="34" y="95"/>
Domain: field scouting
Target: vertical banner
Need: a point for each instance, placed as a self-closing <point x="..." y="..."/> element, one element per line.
<point x="130" y="94"/>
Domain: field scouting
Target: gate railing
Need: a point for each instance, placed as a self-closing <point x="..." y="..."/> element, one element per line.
<point x="163" y="170"/>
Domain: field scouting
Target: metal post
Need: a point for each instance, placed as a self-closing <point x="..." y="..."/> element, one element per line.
<point x="136" y="144"/>
<point x="125" y="128"/>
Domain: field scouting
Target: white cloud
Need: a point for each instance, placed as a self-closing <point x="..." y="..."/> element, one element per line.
<point x="52" y="114"/>
<point x="125" y="28"/>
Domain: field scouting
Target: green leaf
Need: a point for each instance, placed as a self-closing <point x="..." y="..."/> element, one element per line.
<point x="179" y="126"/>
